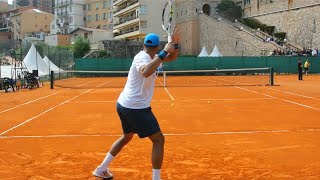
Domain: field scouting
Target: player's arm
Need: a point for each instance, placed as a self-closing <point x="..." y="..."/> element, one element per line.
<point x="175" y="39"/>
<point x="148" y="69"/>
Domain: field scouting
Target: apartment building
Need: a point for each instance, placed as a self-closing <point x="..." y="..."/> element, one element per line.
<point x="4" y="6"/>
<point x="68" y="16"/>
<point x="133" y="19"/>
<point x="5" y="20"/>
<point x="99" y="14"/>
<point x="29" y="23"/>
<point x="43" y="5"/>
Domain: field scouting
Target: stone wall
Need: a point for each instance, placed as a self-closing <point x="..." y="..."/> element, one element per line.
<point x="300" y="19"/>
<point x="124" y="49"/>
<point x="230" y="40"/>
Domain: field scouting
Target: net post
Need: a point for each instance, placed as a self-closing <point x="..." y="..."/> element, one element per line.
<point x="271" y="76"/>
<point x="51" y="79"/>
<point x="164" y="79"/>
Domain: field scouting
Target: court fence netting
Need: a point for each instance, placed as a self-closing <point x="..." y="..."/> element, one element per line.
<point x="185" y="78"/>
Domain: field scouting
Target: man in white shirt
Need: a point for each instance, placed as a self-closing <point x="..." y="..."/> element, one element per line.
<point x="133" y="104"/>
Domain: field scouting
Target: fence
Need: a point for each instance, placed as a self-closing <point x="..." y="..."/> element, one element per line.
<point x="281" y="64"/>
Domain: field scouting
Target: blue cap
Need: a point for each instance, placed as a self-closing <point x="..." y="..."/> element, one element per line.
<point x="151" y="40"/>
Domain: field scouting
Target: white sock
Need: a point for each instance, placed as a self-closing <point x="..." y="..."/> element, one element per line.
<point x="156" y="174"/>
<point x="105" y="163"/>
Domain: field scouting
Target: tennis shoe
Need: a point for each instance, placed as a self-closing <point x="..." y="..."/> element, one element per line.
<point x="98" y="172"/>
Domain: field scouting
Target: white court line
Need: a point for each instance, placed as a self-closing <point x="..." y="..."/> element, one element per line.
<point x="42" y="113"/>
<point x="167" y="91"/>
<point x="38" y="99"/>
<point x="166" y="134"/>
<point x="28" y="102"/>
<point x="292" y="102"/>
<point x="295" y="94"/>
<point x="48" y="110"/>
<point x="182" y="100"/>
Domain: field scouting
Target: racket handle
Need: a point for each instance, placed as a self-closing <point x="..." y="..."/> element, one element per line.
<point x="169" y="38"/>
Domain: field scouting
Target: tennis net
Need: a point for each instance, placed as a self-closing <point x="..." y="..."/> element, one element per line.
<point x="192" y="78"/>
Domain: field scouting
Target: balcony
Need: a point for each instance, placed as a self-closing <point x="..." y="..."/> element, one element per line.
<point x="127" y="7"/>
<point x="63" y="14"/>
<point x="126" y="22"/>
<point x="131" y="33"/>
<point x="63" y="3"/>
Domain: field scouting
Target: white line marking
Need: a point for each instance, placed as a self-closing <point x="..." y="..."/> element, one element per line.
<point x="292" y="102"/>
<point x="28" y="103"/>
<point x="43" y="113"/>
<point x="49" y="110"/>
<point x="167" y="91"/>
<point x="39" y="99"/>
<point x="295" y="94"/>
<point x="166" y="134"/>
<point x="182" y="100"/>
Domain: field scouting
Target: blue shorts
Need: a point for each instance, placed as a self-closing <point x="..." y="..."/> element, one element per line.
<point x="140" y="121"/>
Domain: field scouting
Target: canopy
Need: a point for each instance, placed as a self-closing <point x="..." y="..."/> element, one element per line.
<point x="215" y="52"/>
<point x="51" y="65"/>
<point x="203" y="52"/>
<point x="33" y="61"/>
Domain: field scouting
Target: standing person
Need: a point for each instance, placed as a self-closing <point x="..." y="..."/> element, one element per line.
<point x="299" y="69"/>
<point x="133" y="104"/>
<point x="306" y="66"/>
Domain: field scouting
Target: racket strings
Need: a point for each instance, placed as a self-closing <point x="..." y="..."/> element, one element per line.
<point x="167" y="17"/>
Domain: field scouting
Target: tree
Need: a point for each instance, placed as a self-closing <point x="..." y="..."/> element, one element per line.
<point x="81" y="47"/>
<point x="229" y="9"/>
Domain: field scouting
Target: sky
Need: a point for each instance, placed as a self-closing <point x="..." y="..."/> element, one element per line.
<point x="10" y="1"/>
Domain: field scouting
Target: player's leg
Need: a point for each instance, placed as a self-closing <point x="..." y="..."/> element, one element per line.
<point x="157" y="149"/>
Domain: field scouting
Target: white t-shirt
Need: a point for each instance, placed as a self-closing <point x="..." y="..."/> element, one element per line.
<point x="138" y="91"/>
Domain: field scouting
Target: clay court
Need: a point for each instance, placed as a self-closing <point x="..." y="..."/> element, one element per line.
<point x="221" y="132"/>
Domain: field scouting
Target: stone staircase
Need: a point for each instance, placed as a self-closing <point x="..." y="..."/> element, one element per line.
<point x="248" y="41"/>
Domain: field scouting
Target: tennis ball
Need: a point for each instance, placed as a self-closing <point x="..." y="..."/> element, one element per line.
<point x="209" y="102"/>
<point x="171" y="105"/>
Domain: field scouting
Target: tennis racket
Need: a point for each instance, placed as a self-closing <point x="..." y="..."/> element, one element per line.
<point x="167" y="19"/>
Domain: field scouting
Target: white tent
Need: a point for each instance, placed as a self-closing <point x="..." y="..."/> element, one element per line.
<point x="203" y="52"/>
<point x="6" y="71"/>
<point x="51" y="65"/>
<point x="215" y="52"/>
<point x="33" y="61"/>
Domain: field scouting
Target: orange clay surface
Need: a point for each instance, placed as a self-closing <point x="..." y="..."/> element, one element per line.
<point x="233" y="132"/>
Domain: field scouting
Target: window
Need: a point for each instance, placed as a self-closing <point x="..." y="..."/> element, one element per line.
<point x="70" y="8"/>
<point x="89" y="7"/>
<point x="86" y="35"/>
<point x="110" y="26"/>
<point x="104" y="15"/>
<point x="97" y="17"/>
<point x="104" y="4"/>
<point x="70" y="19"/>
<point x="97" y="5"/>
<point x="143" y="9"/>
<point x="110" y="15"/>
<point x="89" y="18"/>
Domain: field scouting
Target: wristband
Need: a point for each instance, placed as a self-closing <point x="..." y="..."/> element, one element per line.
<point x="162" y="54"/>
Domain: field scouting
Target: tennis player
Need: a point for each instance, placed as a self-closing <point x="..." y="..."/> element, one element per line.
<point x="133" y="104"/>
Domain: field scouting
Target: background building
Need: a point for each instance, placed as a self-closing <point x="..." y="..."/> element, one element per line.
<point x="99" y="14"/>
<point x="4" y="6"/>
<point x="43" y="5"/>
<point x="29" y="22"/>
<point x="68" y="16"/>
<point x="133" y="19"/>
